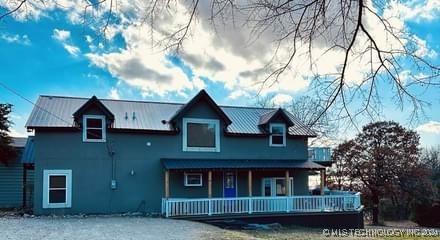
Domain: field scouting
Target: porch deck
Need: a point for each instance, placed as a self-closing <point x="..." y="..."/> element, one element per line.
<point x="188" y="207"/>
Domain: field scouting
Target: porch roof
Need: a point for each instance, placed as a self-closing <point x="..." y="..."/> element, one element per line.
<point x="174" y="163"/>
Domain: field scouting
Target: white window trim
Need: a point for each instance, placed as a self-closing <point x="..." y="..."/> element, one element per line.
<point x="103" y="128"/>
<point x="284" y="134"/>
<point x="46" y="176"/>
<point x="193" y="185"/>
<point x="185" y="122"/>
<point x="273" y="186"/>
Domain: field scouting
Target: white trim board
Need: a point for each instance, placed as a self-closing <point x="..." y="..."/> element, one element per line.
<point x="103" y="128"/>
<point x="46" y="176"/>
<point x="185" y="122"/>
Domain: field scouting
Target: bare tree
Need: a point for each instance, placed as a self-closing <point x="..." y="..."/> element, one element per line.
<point x="358" y="30"/>
<point x="306" y="109"/>
<point x="312" y="113"/>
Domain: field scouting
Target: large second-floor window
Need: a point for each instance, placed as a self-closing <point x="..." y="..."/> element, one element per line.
<point x="277" y="135"/>
<point x="201" y="135"/>
<point x="94" y="128"/>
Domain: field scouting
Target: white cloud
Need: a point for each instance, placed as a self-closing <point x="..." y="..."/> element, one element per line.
<point x="429" y="127"/>
<point x="235" y="94"/>
<point x="17" y="133"/>
<point x="114" y="94"/>
<point x="16" y="38"/>
<point x="140" y="67"/>
<point x="34" y="10"/>
<point x="73" y="50"/>
<point x="63" y="36"/>
<point x="416" y="10"/>
<point x="423" y="49"/>
<point x="230" y="54"/>
<point x="282" y="99"/>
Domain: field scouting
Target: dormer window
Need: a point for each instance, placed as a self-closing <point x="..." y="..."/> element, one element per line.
<point x="201" y="135"/>
<point x="277" y="135"/>
<point x="94" y="128"/>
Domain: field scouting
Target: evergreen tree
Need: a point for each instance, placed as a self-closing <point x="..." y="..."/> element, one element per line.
<point x="7" y="152"/>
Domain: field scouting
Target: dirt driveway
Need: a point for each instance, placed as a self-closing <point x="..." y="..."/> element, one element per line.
<point x="104" y="228"/>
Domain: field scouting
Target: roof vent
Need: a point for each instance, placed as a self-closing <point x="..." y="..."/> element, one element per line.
<point x="126" y="116"/>
<point x="134" y="116"/>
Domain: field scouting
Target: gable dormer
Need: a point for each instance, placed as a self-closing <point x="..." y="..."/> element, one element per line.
<point x="201" y="120"/>
<point x="94" y="118"/>
<point x="276" y="123"/>
<point x="201" y="102"/>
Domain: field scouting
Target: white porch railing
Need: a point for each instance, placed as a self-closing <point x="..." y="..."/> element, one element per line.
<point x="174" y="207"/>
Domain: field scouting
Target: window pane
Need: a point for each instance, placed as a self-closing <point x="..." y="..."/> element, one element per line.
<point x="57" y="181"/>
<point x="201" y="135"/>
<point x="57" y="196"/>
<point x="277" y="140"/>
<point x="94" y="134"/>
<point x="94" y="123"/>
<point x="230" y="180"/>
<point x="193" y="179"/>
<point x="277" y="130"/>
<point x="280" y="187"/>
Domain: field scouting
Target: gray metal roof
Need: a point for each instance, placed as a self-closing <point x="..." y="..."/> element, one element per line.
<point x="238" y="164"/>
<point x="18" y="142"/>
<point x="55" y="111"/>
<point x="28" y="155"/>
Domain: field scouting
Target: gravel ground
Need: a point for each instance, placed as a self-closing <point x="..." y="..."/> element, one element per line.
<point x="13" y="227"/>
<point x="105" y="228"/>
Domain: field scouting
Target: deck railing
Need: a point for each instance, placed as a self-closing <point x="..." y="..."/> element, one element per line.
<point x="179" y="207"/>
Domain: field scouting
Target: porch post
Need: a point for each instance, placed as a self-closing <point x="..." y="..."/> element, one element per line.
<point x="209" y="184"/>
<point x="250" y="183"/>
<point x="322" y="181"/>
<point x="167" y="184"/>
<point x="288" y="193"/>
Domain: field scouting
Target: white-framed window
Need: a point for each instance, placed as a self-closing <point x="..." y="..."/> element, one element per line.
<point x="193" y="180"/>
<point x="201" y="135"/>
<point x="94" y="129"/>
<point x="275" y="186"/>
<point x="57" y="188"/>
<point x="277" y="135"/>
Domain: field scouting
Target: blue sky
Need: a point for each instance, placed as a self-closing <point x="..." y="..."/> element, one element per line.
<point x="54" y="54"/>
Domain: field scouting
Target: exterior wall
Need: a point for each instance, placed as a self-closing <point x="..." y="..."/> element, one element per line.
<point x="91" y="166"/>
<point x="11" y="184"/>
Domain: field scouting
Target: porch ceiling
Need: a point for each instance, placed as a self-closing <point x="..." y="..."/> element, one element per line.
<point x="174" y="163"/>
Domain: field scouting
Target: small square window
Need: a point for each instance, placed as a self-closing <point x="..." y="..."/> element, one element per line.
<point x="94" y="128"/>
<point x="193" y="179"/>
<point x="277" y="135"/>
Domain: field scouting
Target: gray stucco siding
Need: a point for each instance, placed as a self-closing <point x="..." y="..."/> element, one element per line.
<point x="91" y="166"/>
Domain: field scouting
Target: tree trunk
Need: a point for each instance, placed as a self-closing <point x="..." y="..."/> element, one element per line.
<point x="375" y="209"/>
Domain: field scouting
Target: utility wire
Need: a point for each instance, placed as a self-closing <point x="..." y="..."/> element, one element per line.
<point x="43" y="109"/>
<point x="34" y="104"/>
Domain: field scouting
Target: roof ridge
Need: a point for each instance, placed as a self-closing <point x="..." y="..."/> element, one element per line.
<point x="116" y="100"/>
<point x="150" y="101"/>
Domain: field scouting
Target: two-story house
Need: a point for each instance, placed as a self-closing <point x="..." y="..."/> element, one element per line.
<point x="197" y="159"/>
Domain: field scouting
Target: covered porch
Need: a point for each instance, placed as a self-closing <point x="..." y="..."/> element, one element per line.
<point x="219" y="187"/>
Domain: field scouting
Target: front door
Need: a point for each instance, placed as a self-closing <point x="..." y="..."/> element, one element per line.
<point x="230" y="184"/>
